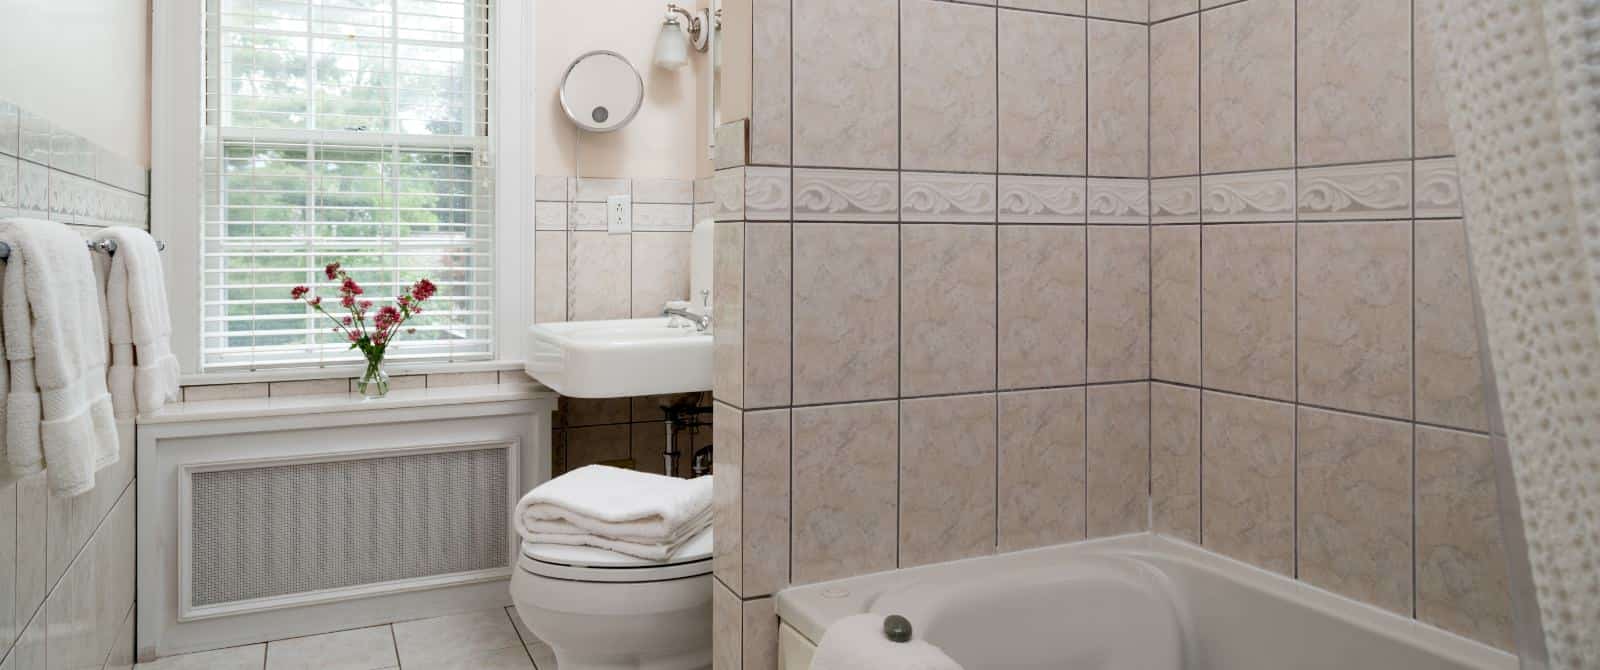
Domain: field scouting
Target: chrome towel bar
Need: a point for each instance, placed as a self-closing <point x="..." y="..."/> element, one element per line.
<point x="108" y="246"/>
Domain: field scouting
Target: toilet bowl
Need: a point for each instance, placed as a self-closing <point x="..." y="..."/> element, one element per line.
<point x="601" y="610"/>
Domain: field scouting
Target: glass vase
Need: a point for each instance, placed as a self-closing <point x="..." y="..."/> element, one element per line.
<point x="374" y="383"/>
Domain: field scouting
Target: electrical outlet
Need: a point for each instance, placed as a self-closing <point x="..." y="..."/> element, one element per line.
<point x="619" y="214"/>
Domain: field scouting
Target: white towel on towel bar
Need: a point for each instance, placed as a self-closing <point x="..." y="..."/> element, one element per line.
<point x="617" y="503"/>
<point x="58" y="413"/>
<point x="144" y="372"/>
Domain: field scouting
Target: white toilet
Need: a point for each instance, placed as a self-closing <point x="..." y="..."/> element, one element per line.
<point x="601" y="610"/>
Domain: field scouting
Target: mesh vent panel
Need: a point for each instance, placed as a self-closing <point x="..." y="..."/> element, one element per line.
<point x="279" y="530"/>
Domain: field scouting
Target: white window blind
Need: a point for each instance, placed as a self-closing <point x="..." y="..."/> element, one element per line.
<point x="352" y="131"/>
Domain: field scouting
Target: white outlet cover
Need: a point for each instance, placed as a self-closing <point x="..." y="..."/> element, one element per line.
<point x="619" y="214"/>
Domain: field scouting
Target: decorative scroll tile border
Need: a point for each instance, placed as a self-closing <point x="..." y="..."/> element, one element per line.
<point x="1029" y="199"/>
<point x="1175" y="200"/>
<point x="766" y="194"/>
<point x="1247" y="196"/>
<point x="947" y="197"/>
<point x="1438" y="189"/>
<point x="1119" y="201"/>
<point x="1347" y="192"/>
<point x="47" y="171"/>
<point x="728" y="187"/>
<point x="846" y="195"/>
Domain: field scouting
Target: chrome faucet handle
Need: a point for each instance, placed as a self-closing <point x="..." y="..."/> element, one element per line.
<point x="705" y="298"/>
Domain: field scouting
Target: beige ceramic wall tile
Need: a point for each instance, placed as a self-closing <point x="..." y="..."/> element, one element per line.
<point x="1355" y="316"/>
<point x="597" y="444"/>
<point x="1119" y="458"/>
<point x="1043" y="306"/>
<point x="1247" y="86"/>
<point x="1247" y="480"/>
<point x="1119" y="95"/>
<point x="1175" y="304"/>
<point x="947" y="86"/>
<point x="549" y="276"/>
<point x="947" y="309"/>
<point x="660" y="271"/>
<point x="575" y="412"/>
<point x="598" y="276"/>
<point x="727" y="272"/>
<point x="1164" y="9"/>
<point x="727" y="622"/>
<point x="308" y="387"/>
<point x="764" y="471"/>
<point x="846" y="100"/>
<point x="207" y="392"/>
<point x="1354" y="80"/>
<point x="770" y="86"/>
<point x="1247" y="308"/>
<point x="1058" y="6"/>
<point x="846" y="292"/>
<point x="1432" y="110"/>
<point x="1126" y="10"/>
<point x="727" y="495"/>
<point x="1175" y="97"/>
<point x="767" y="293"/>
<point x="1353" y="521"/>
<point x="759" y="635"/>
<point x="947" y="478"/>
<point x="1044" y="77"/>
<point x="1449" y="372"/>
<point x="1119" y="303"/>
<point x="1175" y="461"/>
<point x="845" y="475"/>
<point x="1461" y="570"/>
<point x="1042" y="460"/>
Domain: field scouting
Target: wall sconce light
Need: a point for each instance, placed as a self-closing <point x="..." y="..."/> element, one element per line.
<point x="672" y="46"/>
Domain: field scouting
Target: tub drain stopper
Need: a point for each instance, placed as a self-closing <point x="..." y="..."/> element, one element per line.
<point x="897" y="628"/>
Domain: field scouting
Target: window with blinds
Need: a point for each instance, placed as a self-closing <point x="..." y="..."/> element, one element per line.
<point x="352" y="131"/>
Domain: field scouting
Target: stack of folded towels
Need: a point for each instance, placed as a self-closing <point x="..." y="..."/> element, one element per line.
<point x="634" y="513"/>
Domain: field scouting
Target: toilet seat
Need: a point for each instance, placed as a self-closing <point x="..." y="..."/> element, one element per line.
<point x="592" y="564"/>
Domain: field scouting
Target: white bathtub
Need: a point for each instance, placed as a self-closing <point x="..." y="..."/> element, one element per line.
<point x="1137" y="602"/>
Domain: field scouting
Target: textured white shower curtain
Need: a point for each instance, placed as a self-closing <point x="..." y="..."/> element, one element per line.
<point x="1525" y="80"/>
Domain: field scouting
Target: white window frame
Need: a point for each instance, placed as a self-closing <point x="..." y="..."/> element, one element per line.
<point x="177" y="125"/>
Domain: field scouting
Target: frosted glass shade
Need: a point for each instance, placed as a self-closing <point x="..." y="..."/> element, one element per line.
<point x="672" y="47"/>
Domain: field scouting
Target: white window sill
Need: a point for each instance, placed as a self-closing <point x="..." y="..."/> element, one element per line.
<point x="342" y="372"/>
<point x="307" y="405"/>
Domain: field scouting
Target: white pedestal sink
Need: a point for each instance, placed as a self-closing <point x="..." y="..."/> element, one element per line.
<point x="623" y="358"/>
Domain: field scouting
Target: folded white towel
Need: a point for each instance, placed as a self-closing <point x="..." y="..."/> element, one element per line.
<point x="144" y="372"/>
<point x="58" y="413"/>
<point x="613" y="502"/>
<point x="647" y="551"/>
<point x="620" y="532"/>
<point x="857" y="642"/>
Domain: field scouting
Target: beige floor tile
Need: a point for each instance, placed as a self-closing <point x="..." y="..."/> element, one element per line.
<point x="448" y="640"/>
<point x="359" y="649"/>
<point x="252" y="657"/>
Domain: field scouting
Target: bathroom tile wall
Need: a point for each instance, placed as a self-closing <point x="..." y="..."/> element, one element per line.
<point x="933" y="283"/>
<point x="1316" y="407"/>
<point x="66" y="564"/>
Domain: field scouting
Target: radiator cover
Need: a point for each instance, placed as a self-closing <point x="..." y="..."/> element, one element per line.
<point x="267" y="531"/>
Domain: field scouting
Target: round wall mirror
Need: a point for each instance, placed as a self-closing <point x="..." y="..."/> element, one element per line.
<point x="601" y="91"/>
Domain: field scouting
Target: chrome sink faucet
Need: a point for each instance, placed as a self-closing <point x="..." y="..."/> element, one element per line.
<point x="702" y="322"/>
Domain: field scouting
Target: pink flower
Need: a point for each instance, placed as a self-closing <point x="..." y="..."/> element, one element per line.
<point x="332" y="270"/>
<point x="347" y="321"/>
<point x="423" y="289"/>
<point x="366" y="305"/>
<point x="351" y="287"/>
<point x="347" y="301"/>
<point x="298" y="292"/>
<point x="354" y="338"/>
<point x="316" y="301"/>
<point x="386" y="318"/>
